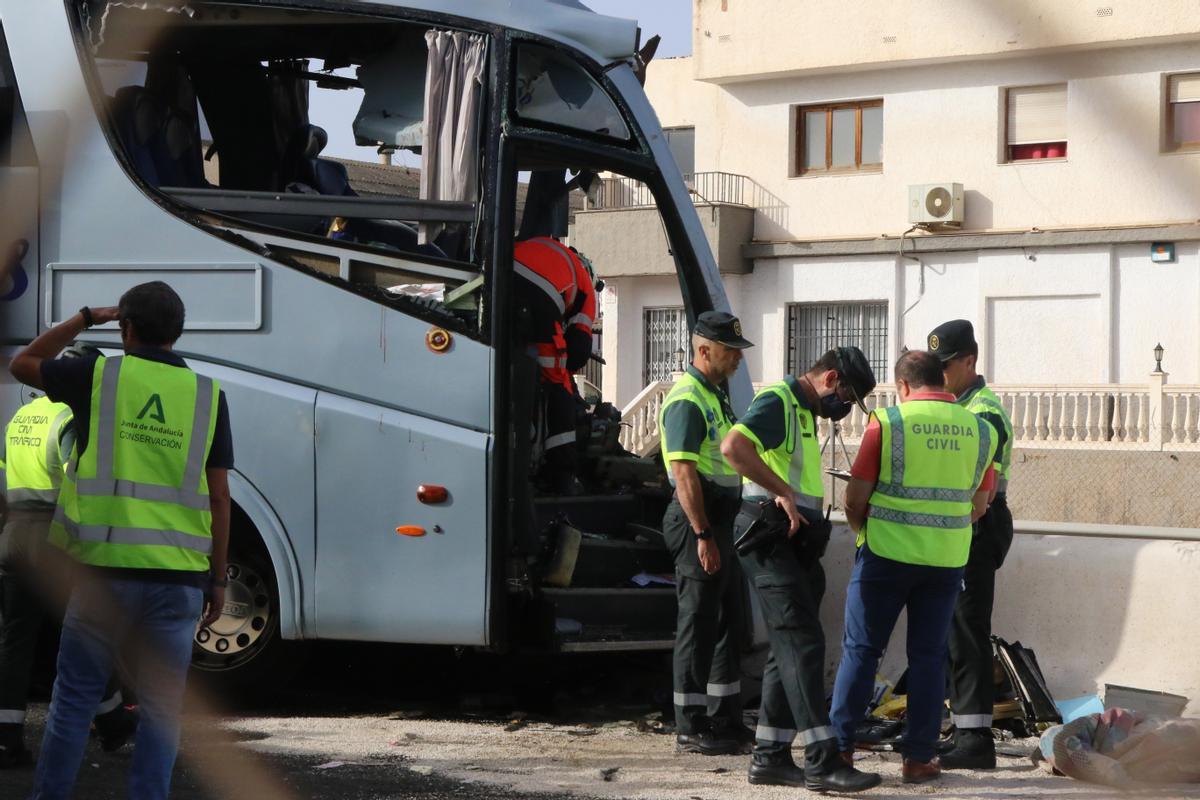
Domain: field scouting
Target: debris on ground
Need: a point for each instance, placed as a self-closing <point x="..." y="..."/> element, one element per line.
<point x="515" y="725"/>
<point x="609" y="773"/>
<point x="1077" y="707"/>
<point x="1124" y="749"/>
<point x="1147" y="702"/>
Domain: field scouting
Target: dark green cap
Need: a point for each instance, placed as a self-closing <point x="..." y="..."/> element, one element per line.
<point x="723" y="327"/>
<point x="952" y="339"/>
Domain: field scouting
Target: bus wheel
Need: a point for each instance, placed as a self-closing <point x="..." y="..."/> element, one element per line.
<point x="243" y="650"/>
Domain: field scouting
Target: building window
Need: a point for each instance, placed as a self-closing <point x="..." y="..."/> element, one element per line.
<point x="840" y="137"/>
<point x="667" y="345"/>
<point x="1183" y="112"/>
<point x="816" y="328"/>
<point x="1036" y="122"/>
<point x="682" y="143"/>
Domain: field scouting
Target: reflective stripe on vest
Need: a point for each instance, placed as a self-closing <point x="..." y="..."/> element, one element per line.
<point x="984" y="401"/>
<point x="797" y="460"/>
<point x="932" y="459"/>
<point x="554" y="276"/>
<point x="138" y="495"/>
<point x="34" y="469"/>
<point x="135" y="536"/>
<point x="711" y="464"/>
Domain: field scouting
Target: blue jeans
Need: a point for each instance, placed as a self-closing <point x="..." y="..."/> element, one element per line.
<point x="879" y="588"/>
<point x="105" y="614"/>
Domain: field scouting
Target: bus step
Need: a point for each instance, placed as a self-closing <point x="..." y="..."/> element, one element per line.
<point x="613" y="613"/>
<point x="600" y="514"/>
<point x="614" y="562"/>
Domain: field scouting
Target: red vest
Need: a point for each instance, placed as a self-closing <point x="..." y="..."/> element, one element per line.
<point x="556" y="270"/>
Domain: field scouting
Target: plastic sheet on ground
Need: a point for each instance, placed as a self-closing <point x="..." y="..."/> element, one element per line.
<point x="1123" y="749"/>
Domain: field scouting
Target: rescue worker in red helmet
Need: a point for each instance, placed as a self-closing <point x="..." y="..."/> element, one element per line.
<point x="562" y="303"/>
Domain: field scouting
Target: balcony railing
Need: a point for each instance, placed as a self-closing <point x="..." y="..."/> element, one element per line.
<point x="1152" y="417"/>
<point x="705" y="187"/>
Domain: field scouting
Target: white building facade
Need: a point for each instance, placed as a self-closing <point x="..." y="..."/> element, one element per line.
<point x="1074" y="131"/>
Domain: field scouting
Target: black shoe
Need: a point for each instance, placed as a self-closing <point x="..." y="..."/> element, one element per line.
<point x="947" y="744"/>
<point x="841" y="779"/>
<point x="706" y="743"/>
<point x="15" y="756"/>
<point x="973" y="749"/>
<point x="738" y="733"/>
<point x="115" y="728"/>
<point x="961" y="758"/>
<point x="775" y="772"/>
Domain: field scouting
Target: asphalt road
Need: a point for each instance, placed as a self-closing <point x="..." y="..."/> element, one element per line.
<point x="375" y="722"/>
<point x="339" y="683"/>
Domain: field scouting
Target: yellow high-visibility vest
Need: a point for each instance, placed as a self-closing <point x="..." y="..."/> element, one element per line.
<point x="138" y="495"/>
<point x="933" y="456"/>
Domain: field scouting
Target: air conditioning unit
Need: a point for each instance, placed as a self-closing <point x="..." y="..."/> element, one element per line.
<point x="936" y="204"/>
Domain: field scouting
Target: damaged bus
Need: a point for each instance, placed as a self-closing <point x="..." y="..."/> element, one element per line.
<point x="361" y="318"/>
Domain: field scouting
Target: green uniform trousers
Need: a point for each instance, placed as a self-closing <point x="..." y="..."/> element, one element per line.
<point x="972" y="691"/>
<point x="793" y="687"/>
<point x="708" y="630"/>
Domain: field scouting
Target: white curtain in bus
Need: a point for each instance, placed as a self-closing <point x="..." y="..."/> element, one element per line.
<point x="453" y="96"/>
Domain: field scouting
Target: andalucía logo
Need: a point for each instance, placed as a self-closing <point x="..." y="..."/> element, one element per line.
<point x="154" y="407"/>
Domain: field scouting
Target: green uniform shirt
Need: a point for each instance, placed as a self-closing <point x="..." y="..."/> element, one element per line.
<point x="691" y="431"/>
<point x="767" y="423"/>
<point x="685" y="428"/>
<point x="998" y="420"/>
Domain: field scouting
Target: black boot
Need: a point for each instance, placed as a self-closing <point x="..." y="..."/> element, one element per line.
<point x="774" y="768"/>
<point x="706" y="743"/>
<point x="739" y="733"/>
<point x="974" y="748"/>
<point x="12" y="747"/>
<point x="826" y="770"/>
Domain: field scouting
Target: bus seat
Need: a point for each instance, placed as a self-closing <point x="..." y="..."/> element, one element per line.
<point x="137" y="126"/>
<point x="302" y="164"/>
<point x="183" y="163"/>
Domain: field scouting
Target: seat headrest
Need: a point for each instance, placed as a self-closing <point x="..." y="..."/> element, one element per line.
<point x="179" y="136"/>
<point x="317" y="139"/>
<point x="149" y="115"/>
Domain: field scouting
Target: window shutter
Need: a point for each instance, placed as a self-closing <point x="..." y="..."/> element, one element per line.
<point x="1185" y="88"/>
<point x="1037" y="114"/>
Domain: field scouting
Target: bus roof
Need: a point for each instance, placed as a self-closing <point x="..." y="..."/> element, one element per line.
<point x="569" y="21"/>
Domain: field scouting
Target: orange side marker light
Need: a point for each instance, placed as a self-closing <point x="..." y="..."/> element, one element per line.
<point x="410" y="530"/>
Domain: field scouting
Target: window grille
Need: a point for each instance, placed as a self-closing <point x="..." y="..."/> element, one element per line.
<point x="666" y="336"/>
<point x="815" y="328"/>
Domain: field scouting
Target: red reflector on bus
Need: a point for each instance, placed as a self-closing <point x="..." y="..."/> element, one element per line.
<point x="410" y="530"/>
<point x="431" y="493"/>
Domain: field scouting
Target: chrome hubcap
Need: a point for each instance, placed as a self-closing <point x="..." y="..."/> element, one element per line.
<point x="244" y="617"/>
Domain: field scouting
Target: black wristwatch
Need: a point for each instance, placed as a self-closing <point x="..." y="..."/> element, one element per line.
<point x="88" y="319"/>
<point x="704" y="534"/>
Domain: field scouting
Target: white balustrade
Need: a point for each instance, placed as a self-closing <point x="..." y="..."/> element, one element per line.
<point x="1153" y="416"/>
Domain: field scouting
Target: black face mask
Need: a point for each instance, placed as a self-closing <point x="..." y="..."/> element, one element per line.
<point x="834" y="408"/>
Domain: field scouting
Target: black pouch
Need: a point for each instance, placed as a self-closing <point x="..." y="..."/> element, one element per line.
<point x="760" y="531"/>
<point x="812" y="539"/>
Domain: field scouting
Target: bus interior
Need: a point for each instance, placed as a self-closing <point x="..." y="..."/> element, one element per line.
<point x="212" y="107"/>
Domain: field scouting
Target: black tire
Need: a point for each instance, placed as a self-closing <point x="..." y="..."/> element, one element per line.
<point x="243" y="652"/>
